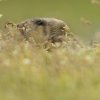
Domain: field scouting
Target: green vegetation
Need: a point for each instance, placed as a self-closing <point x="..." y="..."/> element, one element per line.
<point x="33" y="73"/>
<point x="28" y="72"/>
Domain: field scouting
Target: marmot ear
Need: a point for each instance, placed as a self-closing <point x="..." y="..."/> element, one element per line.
<point x="39" y="22"/>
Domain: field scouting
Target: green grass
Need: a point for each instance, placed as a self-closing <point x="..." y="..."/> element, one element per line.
<point x="32" y="73"/>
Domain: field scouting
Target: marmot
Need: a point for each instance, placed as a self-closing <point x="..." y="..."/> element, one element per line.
<point x="48" y="29"/>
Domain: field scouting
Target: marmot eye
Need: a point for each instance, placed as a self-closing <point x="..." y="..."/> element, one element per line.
<point x="40" y="22"/>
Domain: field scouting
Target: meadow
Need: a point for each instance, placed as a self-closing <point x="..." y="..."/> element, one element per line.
<point x="28" y="72"/>
<point x="33" y="73"/>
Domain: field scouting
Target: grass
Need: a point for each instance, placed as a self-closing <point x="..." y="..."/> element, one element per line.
<point x="32" y="73"/>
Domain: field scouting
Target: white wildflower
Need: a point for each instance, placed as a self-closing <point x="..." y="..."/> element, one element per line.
<point x="26" y="61"/>
<point x="90" y="58"/>
<point x="1" y="15"/>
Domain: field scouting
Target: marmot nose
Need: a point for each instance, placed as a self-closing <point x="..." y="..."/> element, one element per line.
<point x="20" y="25"/>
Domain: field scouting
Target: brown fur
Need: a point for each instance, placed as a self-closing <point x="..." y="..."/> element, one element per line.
<point x="50" y="28"/>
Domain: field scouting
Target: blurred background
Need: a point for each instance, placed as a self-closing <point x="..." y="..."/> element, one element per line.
<point x="82" y="16"/>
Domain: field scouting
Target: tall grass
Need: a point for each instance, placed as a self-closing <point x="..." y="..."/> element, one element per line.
<point x="33" y="73"/>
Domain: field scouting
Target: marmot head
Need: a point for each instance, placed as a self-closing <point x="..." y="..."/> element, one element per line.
<point x="50" y="28"/>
